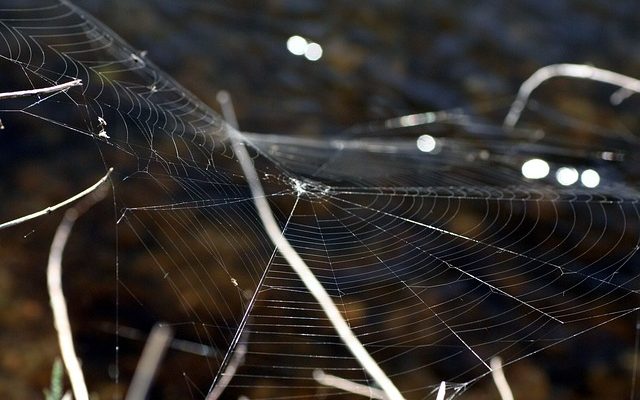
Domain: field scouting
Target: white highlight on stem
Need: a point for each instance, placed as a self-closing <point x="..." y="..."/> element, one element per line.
<point x="498" y="377"/>
<point x="56" y="295"/>
<point x="306" y="275"/>
<point x="348" y="386"/>
<point x="53" y="208"/>
<point x="579" y="71"/>
<point x="441" y="391"/>
<point x="228" y="111"/>
<point x="51" y="89"/>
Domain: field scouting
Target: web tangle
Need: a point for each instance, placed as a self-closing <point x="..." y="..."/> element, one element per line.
<point x="436" y="249"/>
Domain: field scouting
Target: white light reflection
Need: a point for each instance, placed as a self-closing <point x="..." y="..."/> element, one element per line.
<point x="590" y="178"/>
<point x="607" y="155"/>
<point x="297" y="45"/>
<point x="567" y="176"/>
<point x="426" y="143"/>
<point x="535" y="169"/>
<point x="313" y="52"/>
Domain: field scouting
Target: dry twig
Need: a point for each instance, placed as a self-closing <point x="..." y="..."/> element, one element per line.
<point x="53" y="208"/>
<point x="579" y="71"/>
<point x="498" y="377"/>
<point x="54" y="285"/>
<point x="50" y="89"/>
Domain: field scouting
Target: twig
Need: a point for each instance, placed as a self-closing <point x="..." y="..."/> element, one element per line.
<point x="301" y="268"/>
<point x="634" y="370"/>
<point x="51" y="209"/>
<point x="228" y="111"/>
<point x="56" y="88"/>
<point x="154" y="350"/>
<point x="578" y="71"/>
<point x="56" y="295"/>
<point x="229" y="114"/>
<point x="498" y="377"/>
<point x="348" y="386"/>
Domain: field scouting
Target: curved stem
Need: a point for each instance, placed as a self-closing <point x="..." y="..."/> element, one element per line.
<point x="579" y="71"/>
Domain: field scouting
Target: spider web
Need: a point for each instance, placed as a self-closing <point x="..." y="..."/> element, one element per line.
<point x="438" y="260"/>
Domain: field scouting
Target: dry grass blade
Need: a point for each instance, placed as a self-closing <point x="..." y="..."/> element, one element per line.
<point x="578" y="71"/>
<point x="498" y="377"/>
<point x="348" y="386"/>
<point x="54" y="285"/>
<point x="305" y="274"/>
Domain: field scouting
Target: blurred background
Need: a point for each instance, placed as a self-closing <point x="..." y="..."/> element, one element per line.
<point x="385" y="59"/>
<point x="307" y="68"/>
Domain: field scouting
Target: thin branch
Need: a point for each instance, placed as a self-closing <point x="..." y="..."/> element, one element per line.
<point x="348" y="386"/>
<point x="498" y="377"/>
<point x="152" y="354"/>
<point x="56" y="295"/>
<point x="578" y="71"/>
<point x="228" y="111"/>
<point x="51" y="209"/>
<point x="301" y="268"/>
<point x="51" y="89"/>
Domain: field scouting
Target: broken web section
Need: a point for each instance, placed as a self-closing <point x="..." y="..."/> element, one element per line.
<point x="439" y="251"/>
